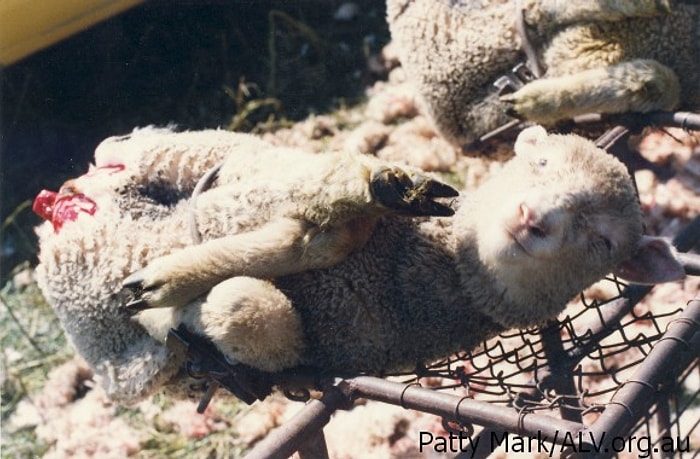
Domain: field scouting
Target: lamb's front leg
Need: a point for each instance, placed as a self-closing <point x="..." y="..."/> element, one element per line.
<point x="633" y="86"/>
<point x="282" y="246"/>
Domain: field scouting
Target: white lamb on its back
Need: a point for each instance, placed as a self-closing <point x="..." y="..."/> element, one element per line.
<point x="313" y="265"/>
<point x="134" y="205"/>
<point x="596" y="56"/>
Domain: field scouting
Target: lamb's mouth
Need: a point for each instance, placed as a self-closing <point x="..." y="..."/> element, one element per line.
<point x="61" y="207"/>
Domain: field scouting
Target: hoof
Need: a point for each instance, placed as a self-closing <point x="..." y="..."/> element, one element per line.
<point x="135" y="286"/>
<point x="413" y="194"/>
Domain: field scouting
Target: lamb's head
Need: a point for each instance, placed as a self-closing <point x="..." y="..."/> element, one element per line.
<point x="100" y="227"/>
<point x="561" y="215"/>
<point x="117" y="166"/>
<point x="560" y="198"/>
<point x="76" y="197"/>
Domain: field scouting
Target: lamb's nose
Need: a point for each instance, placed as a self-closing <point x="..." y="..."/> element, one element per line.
<point x="44" y="204"/>
<point x="530" y="221"/>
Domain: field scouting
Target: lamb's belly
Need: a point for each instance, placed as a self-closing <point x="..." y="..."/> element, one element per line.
<point x="349" y="319"/>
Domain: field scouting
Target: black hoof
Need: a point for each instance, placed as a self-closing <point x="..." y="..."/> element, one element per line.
<point x="134" y="282"/>
<point x="414" y="195"/>
<point x="136" y="306"/>
<point x="133" y="286"/>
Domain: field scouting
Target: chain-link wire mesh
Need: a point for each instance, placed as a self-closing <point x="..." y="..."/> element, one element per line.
<point x="614" y="375"/>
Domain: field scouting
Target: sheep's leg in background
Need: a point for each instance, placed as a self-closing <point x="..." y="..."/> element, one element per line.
<point x="633" y="86"/>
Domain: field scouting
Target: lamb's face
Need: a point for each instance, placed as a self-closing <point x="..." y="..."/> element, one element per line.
<point x="560" y="208"/>
<point x="114" y="164"/>
<point x="93" y="245"/>
<point x="76" y="197"/>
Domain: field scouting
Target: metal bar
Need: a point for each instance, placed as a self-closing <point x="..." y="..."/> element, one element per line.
<point x="675" y="350"/>
<point x="482" y="441"/>
<point x="691" y="263"/>
<point x="611" y="137"/>
<point x="689" y="236"/>
<point x="285" y="440"/>
<point x="461" y="409"/>
<point x="683" y="120"/>
<point x="663" y="419"/>
<point x="288" y="438"/>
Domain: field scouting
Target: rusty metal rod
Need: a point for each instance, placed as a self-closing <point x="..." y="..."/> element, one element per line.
<point x="460" y="409"/>
<point x="684" y="120"/>
<point x="314" y="447"/>
<point x="675" y="350"/>
<point x="686" y="239"/>
<point x="288" y="438"/>
<point x="285" y="440"/>
<point x="558" y="371"/>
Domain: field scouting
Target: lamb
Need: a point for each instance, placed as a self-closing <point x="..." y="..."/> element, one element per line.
<point x="611" y="56"/>
<point x="407" y="290"/>
<point x="134" y="205"/>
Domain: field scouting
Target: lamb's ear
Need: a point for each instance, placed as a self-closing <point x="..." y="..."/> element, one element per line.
<point x="528" y="139"/>
<point x="654" y="262"/>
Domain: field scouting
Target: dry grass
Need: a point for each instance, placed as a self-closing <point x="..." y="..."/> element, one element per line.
<point x="32" y="343"/>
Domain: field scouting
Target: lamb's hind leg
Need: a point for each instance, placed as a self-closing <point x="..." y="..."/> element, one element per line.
<point x="632" y="86"/>
<point x="250" y="322"/>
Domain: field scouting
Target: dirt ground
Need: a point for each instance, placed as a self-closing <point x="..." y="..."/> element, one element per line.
<point x="321" y="83"/>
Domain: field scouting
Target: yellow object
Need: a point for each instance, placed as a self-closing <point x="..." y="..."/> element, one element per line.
<point x="27" y="26"/>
